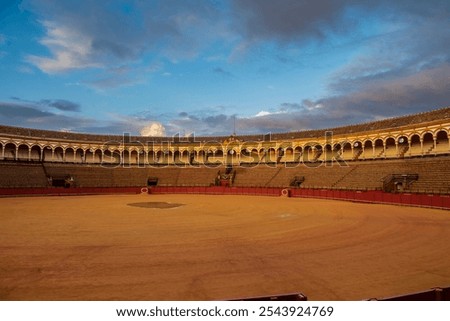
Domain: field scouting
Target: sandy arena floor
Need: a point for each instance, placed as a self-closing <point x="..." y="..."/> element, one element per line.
<point x="217" y="247"/>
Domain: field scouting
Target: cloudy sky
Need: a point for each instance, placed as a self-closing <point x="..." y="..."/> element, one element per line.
<point x="182" y="66"/>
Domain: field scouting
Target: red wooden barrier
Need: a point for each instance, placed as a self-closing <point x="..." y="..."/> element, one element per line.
<point x="70" y="191"/>
<point x="427" y="200"/>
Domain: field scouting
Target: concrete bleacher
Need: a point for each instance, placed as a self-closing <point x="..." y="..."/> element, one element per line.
<point x="98" y="176"/>
<point x="184" y="176"/>
<point x="15" y="174"/>
<point x="433" y="172"/>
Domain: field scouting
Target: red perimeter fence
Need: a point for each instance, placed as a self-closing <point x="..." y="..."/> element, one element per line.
<point x="424" y="200"/>
<point x="69" y="191"/>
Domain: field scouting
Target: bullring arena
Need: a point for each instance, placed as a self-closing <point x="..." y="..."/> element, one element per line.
<point x="348" y="213"/>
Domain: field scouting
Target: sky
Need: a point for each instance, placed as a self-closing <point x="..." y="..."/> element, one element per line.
<point x="211" y="68"/>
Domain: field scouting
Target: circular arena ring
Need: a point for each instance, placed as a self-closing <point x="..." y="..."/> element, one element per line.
<point x="217" y="247"/>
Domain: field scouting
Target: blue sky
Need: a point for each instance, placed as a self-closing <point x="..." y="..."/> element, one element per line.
<point x="180" y="66"/>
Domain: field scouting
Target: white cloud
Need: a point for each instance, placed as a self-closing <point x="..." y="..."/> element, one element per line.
<point x="262" y="113"/>
<point x="153" y="129"/>
<point x="70" y="50"/>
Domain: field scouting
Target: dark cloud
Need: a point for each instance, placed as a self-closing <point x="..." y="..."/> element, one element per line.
<point x="41" y="115"/>
<point x="26" y="114"/>
<point x="288" y="20"/>
<point x="293" y="20"/>
<point x="222" y="72"/>
<point x="424" y="90"/>
<point x="18" y="111"/>
<point x="61" y="104"/>
<point x="23" y="115"/>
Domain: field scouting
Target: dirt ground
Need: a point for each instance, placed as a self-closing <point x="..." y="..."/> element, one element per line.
<point x="217" y="247"/>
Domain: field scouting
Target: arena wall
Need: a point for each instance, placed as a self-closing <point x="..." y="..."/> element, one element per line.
<point x="351" y="158"/>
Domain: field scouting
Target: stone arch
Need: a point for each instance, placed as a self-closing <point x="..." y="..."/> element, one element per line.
<point x="298" y="152"/>
<point x="35" y="153"/>
<point x="328" y="152"/>
<point x="69" y="155"/>
<point x="79" y="156"/>
<point x="402" y="140"/>
<point x="368" y="149"/>
<point x="428" y="143"/>
<point x="10" y="151"/>
<point x="390" y="147"/>
<point x="337" y="148"/>
<point x="160" y="156"/>
<point x="318" y="152"/>
<point x="151" y="156"/>
<point x="142" y="156"/>
<point x="289" y="154"/>
<point x="231" y="156"/>
<point x="23" y="152"/>
<point x="97" y="156"/>
<point x="442" y="142"/>
<point x="357" y="149"/>
<point x="217" y="156"/>
<point x="185" y="156"/>
<point x="249" y="155"/>
<point x="126" y="156"/>
<point x="415" y="145"/>
<point x="47" y="154"/>
<point x="308" y="153"/>
<point x="347" y="152"/>
<point x="280" y="151"/>
<point x="177" y="157"/>
<point x="89" y="155"/>
<point x="133" y="156"/>
<point x="403" y="145"/>
<point x="379" y="148"/>
<point x="202" y="156"/>
<point x="112" y="156"/>
<point x="271" y="155"/>
<point x="58" y="154"/>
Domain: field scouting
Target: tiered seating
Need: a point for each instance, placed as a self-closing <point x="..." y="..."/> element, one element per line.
<point x="201" y="176"/>
<point x="254" y="176"/>
<point x="322" y="176"/>
<point x="98" y="176"/>
<point x="434" y="176"/>
<point x="84" y="176"/>
<point x="132" y="176"/>
<point x="367" y="175"/>
<point x="22" y="175"/>
<point x="167" y="176"/>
